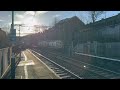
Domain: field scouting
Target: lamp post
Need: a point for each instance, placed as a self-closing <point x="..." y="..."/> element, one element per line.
<point x="13" y="54"/>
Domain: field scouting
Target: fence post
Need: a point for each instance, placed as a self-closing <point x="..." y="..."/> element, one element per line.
<point x="88" y="47"/>
<point x="95" y="47"/>
<point x="2" y="63"/>
<point x="8" y="56"/>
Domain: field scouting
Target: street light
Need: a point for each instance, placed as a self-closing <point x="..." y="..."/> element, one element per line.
<point x="13" y="54"/>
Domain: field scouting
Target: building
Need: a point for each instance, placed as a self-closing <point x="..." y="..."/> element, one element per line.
<point x="101" y="38"/>
<point x="3" y="38"/>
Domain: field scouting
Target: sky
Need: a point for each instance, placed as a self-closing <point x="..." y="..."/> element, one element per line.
<point x="43" y="18"/>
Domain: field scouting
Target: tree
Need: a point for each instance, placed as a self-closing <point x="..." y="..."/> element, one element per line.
<point x="95" y="14"/>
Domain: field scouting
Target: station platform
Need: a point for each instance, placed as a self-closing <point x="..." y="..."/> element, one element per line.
<point x="30" y="67"/>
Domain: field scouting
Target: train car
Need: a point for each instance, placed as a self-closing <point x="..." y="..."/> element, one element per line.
<point x="51" y="44"/>
<point x="56" y="44"/>
<point x="43" y="44"/>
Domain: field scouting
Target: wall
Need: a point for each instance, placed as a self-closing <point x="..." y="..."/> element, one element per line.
<point x="3" y="39"/>
<point x="103" y="41"/>
<point x="111" y="50"/>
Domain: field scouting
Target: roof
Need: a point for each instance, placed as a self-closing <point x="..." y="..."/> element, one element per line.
<point x="72" y="19"/>
<point x="74" y="23"/>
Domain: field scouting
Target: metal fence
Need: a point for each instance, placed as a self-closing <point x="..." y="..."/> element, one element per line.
<point x="5" y="60"/>
<point x="111" y="49"/>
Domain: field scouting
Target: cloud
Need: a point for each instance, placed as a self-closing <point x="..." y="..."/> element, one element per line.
<point x="16" y="22"/>
<point x="56" y="15"/>
<point x="41" y="12"/>
<point x="19" y="16"/>
<point x="29" y="13"/>
<point x="1" y="20"/>
<point x="9" y="15"/>
<point x="33" y="12"/>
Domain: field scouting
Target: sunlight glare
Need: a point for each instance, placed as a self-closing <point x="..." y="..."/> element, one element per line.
<point x="30" y="21"/>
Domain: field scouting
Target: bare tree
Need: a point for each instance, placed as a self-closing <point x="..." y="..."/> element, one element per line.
<point x="95" y="14"/>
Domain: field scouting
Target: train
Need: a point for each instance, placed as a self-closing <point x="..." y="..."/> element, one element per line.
<point x="51" y="44"/>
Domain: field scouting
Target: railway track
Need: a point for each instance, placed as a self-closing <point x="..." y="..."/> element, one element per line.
<point x="61" y="71"/>
<point x="82" y="69"/>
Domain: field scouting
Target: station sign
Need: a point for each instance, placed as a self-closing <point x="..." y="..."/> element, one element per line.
<point x="13" y="36"/>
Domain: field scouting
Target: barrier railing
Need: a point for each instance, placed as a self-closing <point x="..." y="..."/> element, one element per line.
<point x="7" y="63"/>
<point x="5" y="60"/>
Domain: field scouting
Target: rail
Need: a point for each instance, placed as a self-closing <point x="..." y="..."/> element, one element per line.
<point x="98" y="57"/>
<point x="93" y="68"/>
<point x="57" y="65"/>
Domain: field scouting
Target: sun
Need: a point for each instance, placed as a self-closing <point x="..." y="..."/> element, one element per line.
<point x="30" y="21"/>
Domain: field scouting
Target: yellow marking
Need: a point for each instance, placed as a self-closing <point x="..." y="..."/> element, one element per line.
<point x="28" y="62"/>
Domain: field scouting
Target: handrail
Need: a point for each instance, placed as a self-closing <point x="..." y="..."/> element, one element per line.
<point x="4" y="68"/>
<point x="6" y="72"/>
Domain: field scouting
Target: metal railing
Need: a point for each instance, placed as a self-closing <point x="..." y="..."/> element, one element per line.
<point x="5" y="60"/>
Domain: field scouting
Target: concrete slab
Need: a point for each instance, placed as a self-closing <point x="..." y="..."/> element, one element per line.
<point x="32" y="68"/>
